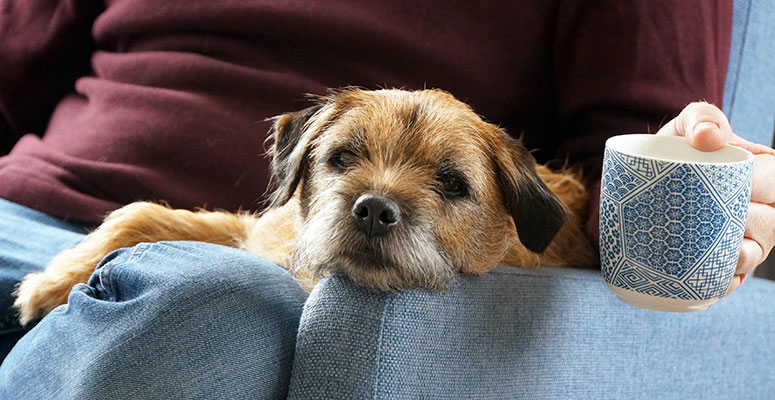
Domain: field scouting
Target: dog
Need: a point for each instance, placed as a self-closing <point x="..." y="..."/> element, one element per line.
<point x="395" y="189"/>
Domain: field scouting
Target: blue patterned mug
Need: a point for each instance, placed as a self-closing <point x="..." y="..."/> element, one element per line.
<point x="671" y="220"/>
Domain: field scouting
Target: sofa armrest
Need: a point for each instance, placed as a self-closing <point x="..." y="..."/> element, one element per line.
<point x="530" y="333"/>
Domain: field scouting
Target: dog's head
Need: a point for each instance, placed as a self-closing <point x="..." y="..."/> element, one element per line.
<point x="402" y="189"/>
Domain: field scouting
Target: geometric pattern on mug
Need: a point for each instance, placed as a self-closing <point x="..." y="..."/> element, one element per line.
<point x="724" y="179"/>
<point x="644" y="167"/>
<point x="610" y="234"/>
<point x="738" y="205"/>
<point x="662" y="165"/>
<point x="672" y="234"/>
<point x="711" y="278"/>
<point x="696" y="204"/>
<point x="617" y="179"/>
<point x="643" y="281"/>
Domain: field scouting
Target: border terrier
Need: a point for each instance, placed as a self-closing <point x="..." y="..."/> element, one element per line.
<point x="395" y="189"/>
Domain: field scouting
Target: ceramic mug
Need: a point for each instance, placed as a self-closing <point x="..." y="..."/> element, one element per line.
<point x="671" y="220"/>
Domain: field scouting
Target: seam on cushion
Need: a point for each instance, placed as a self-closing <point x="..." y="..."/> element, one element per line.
<point x="518" y="271"/>
<point x="377" y="365"/>
<point x="740" y="52"/>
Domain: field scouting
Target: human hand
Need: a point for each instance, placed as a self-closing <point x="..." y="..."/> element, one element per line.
<point x="707" y="129"/>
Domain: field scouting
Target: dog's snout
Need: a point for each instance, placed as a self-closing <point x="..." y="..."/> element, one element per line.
<point x="375" y="215"/>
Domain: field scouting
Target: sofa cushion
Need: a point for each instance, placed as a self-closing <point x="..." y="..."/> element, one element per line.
<point x="530" y="333"/>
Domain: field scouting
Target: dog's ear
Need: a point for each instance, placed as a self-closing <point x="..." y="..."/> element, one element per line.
<point x="538" y="214"/>
<point x="290" y="152"/>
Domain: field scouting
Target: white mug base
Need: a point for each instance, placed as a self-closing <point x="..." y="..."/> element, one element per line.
<point x="660" y="303"/>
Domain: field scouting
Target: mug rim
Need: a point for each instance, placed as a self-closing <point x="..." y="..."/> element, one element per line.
<point x="614" y="143"/>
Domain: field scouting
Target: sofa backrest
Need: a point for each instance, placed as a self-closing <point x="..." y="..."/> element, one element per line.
<point x="749" y="94"/>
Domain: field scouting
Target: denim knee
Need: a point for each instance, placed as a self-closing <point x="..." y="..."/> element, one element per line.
<point x="158" y="314"/>
<point x="174" y="277"/>
<point x="184" y="270"/>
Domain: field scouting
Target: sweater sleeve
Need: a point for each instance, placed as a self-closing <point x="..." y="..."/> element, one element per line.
<point x="630" y="67"/>
<point x="45" y="45"/>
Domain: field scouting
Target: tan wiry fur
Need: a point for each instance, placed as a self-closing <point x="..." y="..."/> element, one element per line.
<point x="569" y="247"/>
<point x="399" y="142"/>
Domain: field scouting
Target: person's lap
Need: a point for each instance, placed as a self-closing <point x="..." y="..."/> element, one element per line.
<point x="184" y="318"/>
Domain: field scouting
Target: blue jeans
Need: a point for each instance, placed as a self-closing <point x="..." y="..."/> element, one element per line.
<point x="169" y="319"/>
<point x="28" y="240"/>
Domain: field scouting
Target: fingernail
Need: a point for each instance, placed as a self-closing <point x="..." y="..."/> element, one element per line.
<point x="703" y="126"/>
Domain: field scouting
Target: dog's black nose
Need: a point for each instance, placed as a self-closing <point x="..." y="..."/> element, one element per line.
<point x="375" y="215"/>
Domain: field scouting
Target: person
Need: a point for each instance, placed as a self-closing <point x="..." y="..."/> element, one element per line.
<point x="105" y="104"/>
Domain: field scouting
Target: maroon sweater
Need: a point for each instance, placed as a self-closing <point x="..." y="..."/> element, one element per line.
<point x="161" y="99"/>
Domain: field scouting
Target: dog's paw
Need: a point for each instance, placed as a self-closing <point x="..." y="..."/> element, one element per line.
<point x="37" y="294"/>
<point x="40" y="292"/>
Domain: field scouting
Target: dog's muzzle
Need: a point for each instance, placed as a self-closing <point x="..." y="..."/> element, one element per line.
<point x="375" y="215"/>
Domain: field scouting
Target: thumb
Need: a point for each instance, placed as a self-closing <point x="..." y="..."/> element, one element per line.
<point x="705" y="127"/>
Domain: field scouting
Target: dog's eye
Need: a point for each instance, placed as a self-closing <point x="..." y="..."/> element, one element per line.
<point x="453" y="185"/>
<point x="341" y="160"/>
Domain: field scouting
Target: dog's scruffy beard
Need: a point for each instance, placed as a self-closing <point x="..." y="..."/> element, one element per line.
<point x="408" y="257"/>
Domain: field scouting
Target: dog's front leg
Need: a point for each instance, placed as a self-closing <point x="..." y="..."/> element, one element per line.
<point x="39" y="292"/>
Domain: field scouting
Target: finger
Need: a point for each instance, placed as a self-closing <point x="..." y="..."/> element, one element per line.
<point x="760" y="226"/>
<point x="737" y="280"/>
<point x="759" y="237"/>
<point x="763" y="185"/>
<point x="704" y="126"/>
<point x="751" y="255"/>
<point x="754" y="148"/>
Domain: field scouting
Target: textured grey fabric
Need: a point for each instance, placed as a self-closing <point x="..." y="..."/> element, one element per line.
<point x="530" y="333"/>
